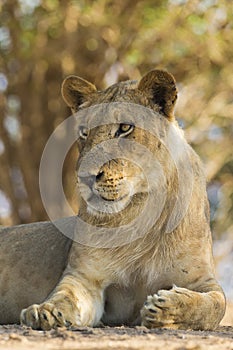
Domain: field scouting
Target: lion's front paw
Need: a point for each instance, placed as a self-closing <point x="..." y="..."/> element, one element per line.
<point x="167" y="308"/>
<point x="45" y="316"/>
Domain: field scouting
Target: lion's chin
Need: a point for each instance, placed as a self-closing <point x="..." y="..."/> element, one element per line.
<point x="99" y="205"/>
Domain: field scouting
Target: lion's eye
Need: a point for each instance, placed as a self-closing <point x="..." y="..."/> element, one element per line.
<point x="124" y="130"/>
<point x="83" y="132"/>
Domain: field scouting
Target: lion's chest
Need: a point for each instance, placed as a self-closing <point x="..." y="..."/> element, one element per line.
<point x="123" y="304"/>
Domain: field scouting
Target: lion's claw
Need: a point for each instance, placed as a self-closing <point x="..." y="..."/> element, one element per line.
<point x="45" y="316"/>
<point x="164" y="309"/>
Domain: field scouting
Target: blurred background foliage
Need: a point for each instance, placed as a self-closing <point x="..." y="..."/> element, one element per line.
<point x="42" y="41"/>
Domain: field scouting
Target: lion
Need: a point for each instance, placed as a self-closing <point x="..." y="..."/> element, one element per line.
<point x="158" y="272"/>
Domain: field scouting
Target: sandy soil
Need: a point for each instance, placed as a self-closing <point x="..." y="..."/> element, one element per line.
<point x="22" y="338"/>
<point x="16" y="337"/>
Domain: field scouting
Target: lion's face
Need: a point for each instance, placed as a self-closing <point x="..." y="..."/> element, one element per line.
<point x="128" y="162"/>
<point x="111" y="184"/>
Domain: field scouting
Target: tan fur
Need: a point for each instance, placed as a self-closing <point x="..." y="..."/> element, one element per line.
<point x="160" y="279"/>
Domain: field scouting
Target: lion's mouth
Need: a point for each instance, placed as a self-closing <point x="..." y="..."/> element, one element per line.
<point x="118" y="199"/>
<point x="110" y="194"/>
<point x="105" y="199"/>
<point x="102" y="203"/>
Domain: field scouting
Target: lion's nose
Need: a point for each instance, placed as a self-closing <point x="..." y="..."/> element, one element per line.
<point x="99" y="176"/>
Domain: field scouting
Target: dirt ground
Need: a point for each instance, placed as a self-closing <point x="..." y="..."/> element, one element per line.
<point x="137" y="338"/>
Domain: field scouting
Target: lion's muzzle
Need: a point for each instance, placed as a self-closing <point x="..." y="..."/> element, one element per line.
<point x="110" y="188"/>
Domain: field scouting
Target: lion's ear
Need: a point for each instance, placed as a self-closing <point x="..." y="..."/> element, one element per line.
<point x="160" y="87"/>
<point x="75" y="91"/>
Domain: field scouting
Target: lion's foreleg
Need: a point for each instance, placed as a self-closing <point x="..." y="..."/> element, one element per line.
<point x="74" y="302"/>
<point x="181" y="308"/>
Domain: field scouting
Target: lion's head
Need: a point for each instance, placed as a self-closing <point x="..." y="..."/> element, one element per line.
<point x="126" y="136"/>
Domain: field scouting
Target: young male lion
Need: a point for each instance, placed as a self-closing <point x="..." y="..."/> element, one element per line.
<point x="143" y="254"/>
